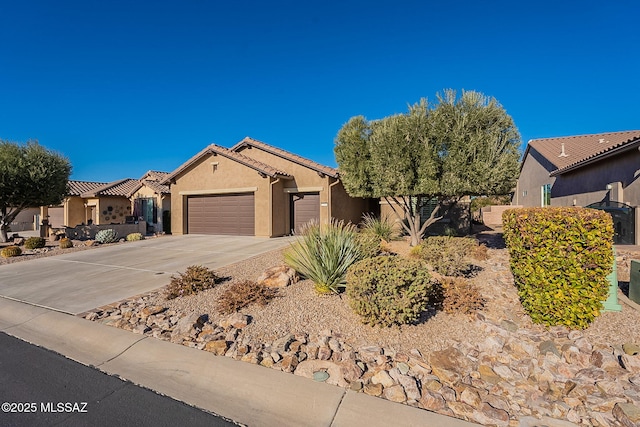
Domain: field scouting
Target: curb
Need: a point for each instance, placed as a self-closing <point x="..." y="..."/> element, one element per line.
<point x="245" y="393"/>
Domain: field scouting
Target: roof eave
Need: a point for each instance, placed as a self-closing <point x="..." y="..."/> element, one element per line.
<point x="621" y="149"/>
<point x="247" y="141"/>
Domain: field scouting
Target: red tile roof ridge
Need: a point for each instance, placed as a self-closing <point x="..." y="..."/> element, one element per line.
<point x="327" y="170"/>
<point x="240" y="158"/>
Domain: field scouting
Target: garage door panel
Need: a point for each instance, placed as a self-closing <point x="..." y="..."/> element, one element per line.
<point x="56" y="217"/>
<point x="306" y="207"/>
<point x="232" y="214"/>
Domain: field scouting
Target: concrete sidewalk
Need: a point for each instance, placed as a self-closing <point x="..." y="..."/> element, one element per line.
<point x="245" y="393"/>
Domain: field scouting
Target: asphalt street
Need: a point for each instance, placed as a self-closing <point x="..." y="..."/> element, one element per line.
<point x="41" y="388"/>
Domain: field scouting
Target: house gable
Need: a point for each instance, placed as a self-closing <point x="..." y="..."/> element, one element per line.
<point x="282" y="159"/>
<point x="214" y="150"/>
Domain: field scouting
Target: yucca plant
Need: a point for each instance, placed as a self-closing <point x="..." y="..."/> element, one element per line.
<point x="381" y="227"/>
<point x="324" y="253"/>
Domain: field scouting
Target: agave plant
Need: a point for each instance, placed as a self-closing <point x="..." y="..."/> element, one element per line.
<point x="324" y="253"/>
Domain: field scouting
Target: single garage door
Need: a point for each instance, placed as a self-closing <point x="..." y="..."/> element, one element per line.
<point x="56" y="217"/>
<point x="221" y="214"/>
<point x="306" y="207"/>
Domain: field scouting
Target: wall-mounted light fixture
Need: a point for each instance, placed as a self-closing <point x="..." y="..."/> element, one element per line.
<point x="609" y="187"/>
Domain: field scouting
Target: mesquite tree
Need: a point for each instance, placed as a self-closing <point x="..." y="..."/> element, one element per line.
<point x="30" y="176"/>
<point x="466" y="146"/>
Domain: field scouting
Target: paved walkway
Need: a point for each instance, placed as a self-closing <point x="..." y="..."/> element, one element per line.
<point x="80" y="281"/>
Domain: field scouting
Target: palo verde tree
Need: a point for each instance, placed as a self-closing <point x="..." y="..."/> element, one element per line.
<point x="464" y="146"/>
<point x="30" y="176"/>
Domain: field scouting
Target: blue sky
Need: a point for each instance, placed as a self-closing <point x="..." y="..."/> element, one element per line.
<point x="122" y="87"/>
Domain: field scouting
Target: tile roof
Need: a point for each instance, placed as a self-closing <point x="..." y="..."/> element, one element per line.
<point x="570" y="152"/>
<point x="154" y="175"/>
<point x="117" y="188"/>
<point x="247" y="141"/>
<point x="76" y="188"/>
<point x="155" y="186"/>
<point x="240" y="158"/>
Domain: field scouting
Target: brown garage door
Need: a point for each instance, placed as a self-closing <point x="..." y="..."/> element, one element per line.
<point x="306" y="207"/>
<point x="56" y="217"/>
<point x="221" y="214"/>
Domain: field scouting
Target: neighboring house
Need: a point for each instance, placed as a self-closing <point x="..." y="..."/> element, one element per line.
<point x="117" y="202"/>
<point x="256" y="189"/>
<point x="152" y="201"/>
<point x="599" y="170"/>
<point x="74" y="210"/>
<point x="28" y="219"/>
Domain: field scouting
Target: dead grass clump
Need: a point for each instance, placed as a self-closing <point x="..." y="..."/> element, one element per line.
<point x="461" y="296"/>
<point x="243" y="294"/>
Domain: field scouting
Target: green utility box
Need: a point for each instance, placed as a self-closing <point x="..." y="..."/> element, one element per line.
<point x="611" y="304"/>
<point x="634" y="281"/>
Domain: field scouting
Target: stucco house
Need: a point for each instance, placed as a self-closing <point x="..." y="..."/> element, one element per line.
<point x="598" y="170"/>
<point x="256" y="189"/>
<point x="116" y="202"/>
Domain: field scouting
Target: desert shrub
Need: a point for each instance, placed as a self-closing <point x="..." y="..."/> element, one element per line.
<point x="35" y="243"/>
<point x="324" y="253"/>
<point x="195" y="279"/>
<point x="461" y="296"/>
<point x="388" y="290"/>
<point x="381" y="227"/>
<point x="447" y="255"/>
<point x="480" y="253"/>
<point x="132" y="237"/>
<point x="243" y="294"/>
<point x="560" y="259"/>
<point x="370" y="245"/>
<point x="10" y="251"/>
<point x="65" y="243"/>
<point x="107" y="236"/>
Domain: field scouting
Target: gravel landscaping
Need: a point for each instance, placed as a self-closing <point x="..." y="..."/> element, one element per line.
<point x="493" y="367"/>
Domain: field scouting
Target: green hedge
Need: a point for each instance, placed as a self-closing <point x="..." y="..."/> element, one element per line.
<point x="560" y="258"/>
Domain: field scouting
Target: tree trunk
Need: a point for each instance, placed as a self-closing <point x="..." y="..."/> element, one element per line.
<point x="409" y="215"/>
<point x="6" y="218"/>
<point x="4" y="237"/>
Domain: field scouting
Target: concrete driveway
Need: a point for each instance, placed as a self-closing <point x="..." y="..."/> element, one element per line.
<point x="77" y="282"/>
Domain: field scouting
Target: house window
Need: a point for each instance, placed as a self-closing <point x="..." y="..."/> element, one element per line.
<point x="524" y="193"/>
<point x="546" y="195"/>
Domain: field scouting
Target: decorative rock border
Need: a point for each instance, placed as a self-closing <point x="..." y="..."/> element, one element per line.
<point x="516" y="375"/>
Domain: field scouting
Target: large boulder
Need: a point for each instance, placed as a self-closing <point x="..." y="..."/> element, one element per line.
<point x="280" y="276"/>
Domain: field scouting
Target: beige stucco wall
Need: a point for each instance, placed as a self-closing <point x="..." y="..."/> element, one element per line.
<point x="74" y="211"/>
<point x="304" y="180"/>
<point x="229" y="176"/>
<point x="280" y="207"/>
<point x="345" y="207"/>
<point x="120" y="209"/>
<point x="334" y="201"/>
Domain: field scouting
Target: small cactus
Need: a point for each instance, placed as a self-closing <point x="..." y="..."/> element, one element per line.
<point x="66" y="243"/>
<point x="107" y="236"/>
<point x="132" y="237"/>
<point x="34" y="243"/>
<point x="10" y="251"/>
